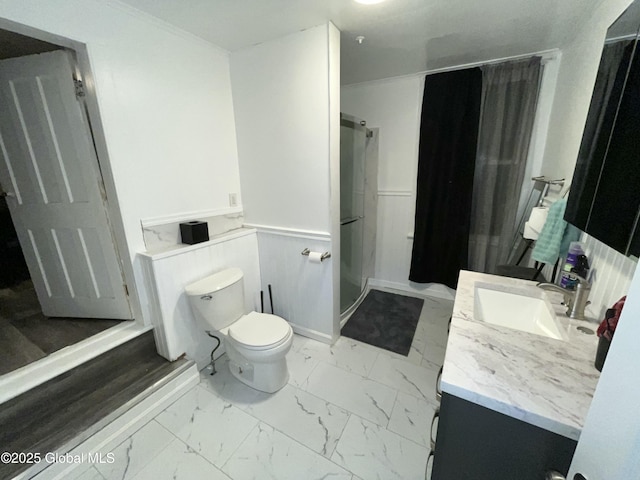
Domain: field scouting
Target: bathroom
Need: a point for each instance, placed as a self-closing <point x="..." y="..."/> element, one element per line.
<point x="219" y="140"/>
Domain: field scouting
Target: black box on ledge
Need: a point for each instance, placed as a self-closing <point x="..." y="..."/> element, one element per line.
<point x="194" y="232"/>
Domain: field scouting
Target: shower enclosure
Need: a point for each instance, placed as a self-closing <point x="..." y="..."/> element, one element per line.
<point x="358" y="203"/>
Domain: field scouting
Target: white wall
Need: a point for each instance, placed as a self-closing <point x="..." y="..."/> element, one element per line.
<point x="165" y="104"/>
<point x="393" y="106"/>
<point x="283" y="95"/>
<point x="613" y="418"/>
<point x="281" y="102"/>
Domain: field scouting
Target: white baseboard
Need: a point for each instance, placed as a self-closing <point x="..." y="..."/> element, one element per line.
<point x="428" y="289"/>
<point x="313" y="334"/>
<point x="290" y="232"/>
<point x="122" y="427"/>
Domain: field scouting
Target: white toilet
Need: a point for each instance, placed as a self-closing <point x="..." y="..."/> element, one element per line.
<point x="256" y="343"/>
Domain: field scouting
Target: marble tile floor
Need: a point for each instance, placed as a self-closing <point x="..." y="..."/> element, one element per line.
<point x="58" y="413"/>
<point x="350" y="411"/>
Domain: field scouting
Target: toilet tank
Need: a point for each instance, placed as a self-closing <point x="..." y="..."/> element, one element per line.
<point x="217" y="300"/>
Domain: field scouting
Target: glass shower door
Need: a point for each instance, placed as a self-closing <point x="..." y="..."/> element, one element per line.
<point x="353" y="137"/>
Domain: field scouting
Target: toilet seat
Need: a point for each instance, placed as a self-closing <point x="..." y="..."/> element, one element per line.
<point x="260" y="331"/>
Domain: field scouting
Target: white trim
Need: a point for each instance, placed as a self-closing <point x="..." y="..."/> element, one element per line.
<point x="95" y="129"/>
<point x="545" y="54"/>
<point x="313" y="334"/>
<point x="181" y="248"/>
<point x="394" y="193"/>
<point x="180" y="217"/>
<point x="429" y="290"/>
<point x="290" y="232"/>
<point x="115" y="432"/>
<point x="19" y="381"/>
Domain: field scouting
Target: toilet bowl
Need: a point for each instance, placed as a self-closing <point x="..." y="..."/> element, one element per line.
<point x="256" y="343"/>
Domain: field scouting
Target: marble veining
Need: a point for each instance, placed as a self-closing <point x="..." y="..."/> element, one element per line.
<point x="371" y="451"/>
<point x="306" y="418"/>
<point x="274" y="454"/>
<point x="191" y="417"/>
<point x="369" y="399"/>
<point x="546" y="382"/>
<point x="411" y="417"/>
<point x="345" y="414"/>
<point x="404" y="376"/>
<point x="179" y="462"/>
<point x="167" y="235"/>
<point x="133" y="454"/>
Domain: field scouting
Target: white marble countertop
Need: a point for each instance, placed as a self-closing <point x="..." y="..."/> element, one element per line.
<point x="545" y="382"/>
<point x="169" y="250"/>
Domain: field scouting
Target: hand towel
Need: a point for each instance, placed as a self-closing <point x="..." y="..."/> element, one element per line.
<point x="550" y="242"/>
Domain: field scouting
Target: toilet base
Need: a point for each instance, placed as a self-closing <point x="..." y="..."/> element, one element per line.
<point x="266" y="377"/>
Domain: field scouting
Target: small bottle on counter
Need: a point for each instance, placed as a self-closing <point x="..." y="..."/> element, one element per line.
<point x="575" y="252"/>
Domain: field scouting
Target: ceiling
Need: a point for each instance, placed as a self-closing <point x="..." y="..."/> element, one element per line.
<point x="16" y="45"/>
<point x="627" y="24"/>
<point x="401" y="36"/>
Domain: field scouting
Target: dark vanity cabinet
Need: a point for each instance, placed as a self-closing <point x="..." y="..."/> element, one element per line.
<point x="476" y="443"/>
<point x="604" y="200"/>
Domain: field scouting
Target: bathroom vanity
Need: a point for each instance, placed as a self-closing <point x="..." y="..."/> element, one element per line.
<point x="514" y="400"/>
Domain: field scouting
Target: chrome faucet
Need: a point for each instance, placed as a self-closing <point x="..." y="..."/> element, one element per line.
<point x="575" y="300"/>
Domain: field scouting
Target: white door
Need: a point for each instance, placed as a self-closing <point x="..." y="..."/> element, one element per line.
<point x="609" y="447"/>
<point x="50" y="173"/>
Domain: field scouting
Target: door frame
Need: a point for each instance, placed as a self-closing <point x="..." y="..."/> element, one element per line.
<point x="96" y="129"/>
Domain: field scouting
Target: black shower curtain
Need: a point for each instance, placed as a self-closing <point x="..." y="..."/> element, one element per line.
<point x="446" y="161"/>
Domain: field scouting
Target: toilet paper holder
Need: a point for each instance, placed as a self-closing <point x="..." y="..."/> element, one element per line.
<point x="324" y="256"/>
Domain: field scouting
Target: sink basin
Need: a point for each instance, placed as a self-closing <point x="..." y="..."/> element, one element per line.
<point x="521" y="308"/>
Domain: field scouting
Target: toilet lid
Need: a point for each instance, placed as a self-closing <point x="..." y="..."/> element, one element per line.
<point x="259" y="329"/>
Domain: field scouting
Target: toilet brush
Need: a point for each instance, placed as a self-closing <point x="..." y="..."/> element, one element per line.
<point x="271" y="299"/>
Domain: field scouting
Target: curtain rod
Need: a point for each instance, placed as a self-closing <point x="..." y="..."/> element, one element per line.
<point x="546" y="55"/>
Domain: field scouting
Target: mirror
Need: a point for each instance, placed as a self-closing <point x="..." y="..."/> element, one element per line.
<point x="605" y="198"/>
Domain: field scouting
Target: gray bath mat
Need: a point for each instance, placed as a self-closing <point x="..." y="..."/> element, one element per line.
<point x="385" y="320"/>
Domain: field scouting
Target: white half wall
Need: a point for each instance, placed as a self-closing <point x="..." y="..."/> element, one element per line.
<point x="286" y="94"/>
<point x="165" y="104"/>
<point x="302" y="291"/>
<point x="167" y="274"/>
